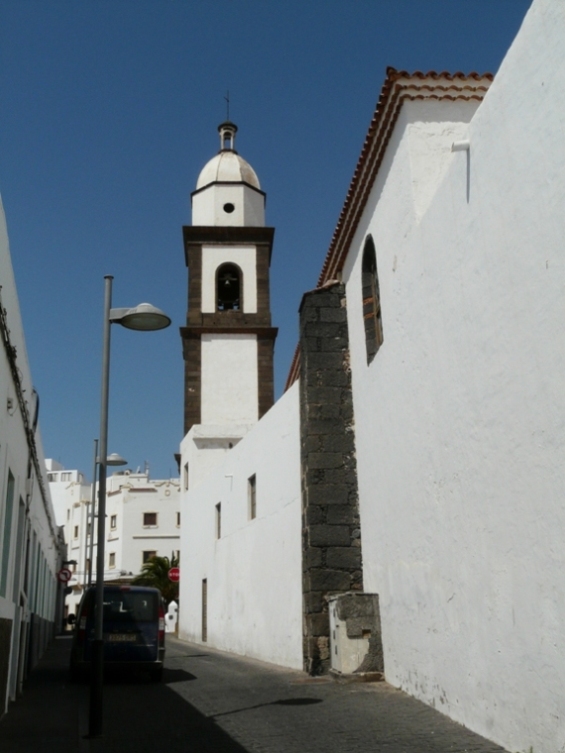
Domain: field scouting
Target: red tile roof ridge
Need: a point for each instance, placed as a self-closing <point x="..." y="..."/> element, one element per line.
<point x="380" y="128"/>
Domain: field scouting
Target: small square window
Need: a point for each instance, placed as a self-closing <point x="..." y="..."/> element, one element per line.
<point x="149" y="518"/>
<point x="112" y="559"/>
<point x="146" y="556"/>
<point x="252" y="496"/>
<point x="113" y="521"/>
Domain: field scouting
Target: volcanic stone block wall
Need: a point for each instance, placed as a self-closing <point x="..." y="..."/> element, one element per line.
<point x="331" y="536"/>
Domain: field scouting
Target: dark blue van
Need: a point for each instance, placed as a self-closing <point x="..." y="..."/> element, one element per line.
<point x="133" y="629"/>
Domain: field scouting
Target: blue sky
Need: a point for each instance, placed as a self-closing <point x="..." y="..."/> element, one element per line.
<point x="109" y="112"/>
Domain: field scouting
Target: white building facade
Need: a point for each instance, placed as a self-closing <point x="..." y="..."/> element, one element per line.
<point x="460" y="416"/>
<point x="438" y="484"/>
<point x="31" y="545"/>
<point x="142" y="520"/>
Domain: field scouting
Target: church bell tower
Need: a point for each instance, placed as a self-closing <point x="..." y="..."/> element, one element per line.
<point x="228" y="341"/>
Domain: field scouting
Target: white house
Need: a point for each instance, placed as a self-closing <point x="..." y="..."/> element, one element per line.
<point x="31" y="545"/>
<point x="142" y="520"/>
<point x="417" y="455"/>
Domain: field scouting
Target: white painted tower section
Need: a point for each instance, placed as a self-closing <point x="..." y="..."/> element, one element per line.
<point x="229" y="396"/>
<point x="228" y="194"/>
<point x="228" y="191"/>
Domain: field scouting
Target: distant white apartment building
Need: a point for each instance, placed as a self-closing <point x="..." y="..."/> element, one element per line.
<point x="142" y="521"/>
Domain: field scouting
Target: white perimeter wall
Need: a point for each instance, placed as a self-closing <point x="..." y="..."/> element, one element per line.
<point x="229" y="379"/>
<point x="460" y="419"/>
<point x="254" y="571"/>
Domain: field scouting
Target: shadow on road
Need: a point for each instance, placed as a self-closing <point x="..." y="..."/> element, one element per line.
<point x="139" y="716"/>
<point x="284" y="702"/>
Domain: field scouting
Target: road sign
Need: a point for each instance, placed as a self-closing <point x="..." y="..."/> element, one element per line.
<point x="64" y="575"/>
<point x="174" y="574"/>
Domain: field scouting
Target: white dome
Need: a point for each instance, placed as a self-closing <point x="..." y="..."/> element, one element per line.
<point x="227" y="167"/>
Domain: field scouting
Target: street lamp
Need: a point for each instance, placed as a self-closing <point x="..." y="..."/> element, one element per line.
<point x="144" y="317"/>
<point x="113" y="459"/>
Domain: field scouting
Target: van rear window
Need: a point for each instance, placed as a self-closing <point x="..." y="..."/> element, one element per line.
<point x="128" y="606"/>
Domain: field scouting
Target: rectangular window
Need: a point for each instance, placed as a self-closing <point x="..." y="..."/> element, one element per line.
<point x="146" y="556"/>
<point x="19" y="551"/>
<point x="68" y="514"/>
<point x="149" y="518"/>
<point x="219" y="520"/>
<point x="66" y="476"/>
<point x="178" y="519"/>
<point x="204" y="610"/>
<point x="7" y="537"/>
<point x="113" y="521"/>
<point x="75" y="532"/>
<point x="186" y="475"/>
<point x="252" y="496"/>
<point x="112" y="559"/>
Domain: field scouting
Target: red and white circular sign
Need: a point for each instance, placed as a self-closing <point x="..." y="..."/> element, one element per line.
<point x="64" y="575"/>
<point x="174" y="574"/>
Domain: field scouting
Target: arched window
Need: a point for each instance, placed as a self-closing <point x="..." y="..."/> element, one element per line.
<point x="371" y="301"/>
<point x="229" y="288"/>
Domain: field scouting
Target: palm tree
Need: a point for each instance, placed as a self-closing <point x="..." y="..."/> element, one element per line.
<point x="155" y="573"/>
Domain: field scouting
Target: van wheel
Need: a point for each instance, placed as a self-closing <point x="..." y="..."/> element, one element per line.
<point x="156" y="675"/>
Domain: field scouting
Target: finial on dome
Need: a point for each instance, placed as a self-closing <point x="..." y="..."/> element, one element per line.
<point x="227" y="131"/>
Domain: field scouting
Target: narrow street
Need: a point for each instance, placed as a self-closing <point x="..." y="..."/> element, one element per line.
<point x="214" y="702"/>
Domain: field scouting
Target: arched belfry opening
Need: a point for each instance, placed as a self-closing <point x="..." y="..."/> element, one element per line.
<point x="227" y="132"/>
<point x="229" y="288"/>
<point x="371" y="300"/>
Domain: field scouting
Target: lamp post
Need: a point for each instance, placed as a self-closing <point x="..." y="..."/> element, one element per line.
<point x="144" y="317"/>
<point x="113" y="459"/>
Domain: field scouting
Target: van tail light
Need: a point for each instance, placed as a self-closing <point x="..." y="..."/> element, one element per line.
<point x="82" y="624"/>
<point x="161" y="624"/>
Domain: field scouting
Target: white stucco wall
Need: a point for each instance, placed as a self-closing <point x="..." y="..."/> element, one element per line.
<point x="27" y="572"/>
<point x="229" y="379"/>
<point x="254" y="569"/>
<point x="245" y="258"/>
<point x="460" y="418"/>
<point x="205" y="446"/>
<point x="208" y="206"/>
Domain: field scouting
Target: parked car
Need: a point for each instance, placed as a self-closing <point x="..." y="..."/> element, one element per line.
<point x="133" y="630"/>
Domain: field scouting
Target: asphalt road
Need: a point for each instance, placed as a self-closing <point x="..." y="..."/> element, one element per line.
<point x="212" y="702"/>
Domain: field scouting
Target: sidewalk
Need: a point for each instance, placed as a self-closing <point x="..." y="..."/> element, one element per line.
<point x="213" y="702"/>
